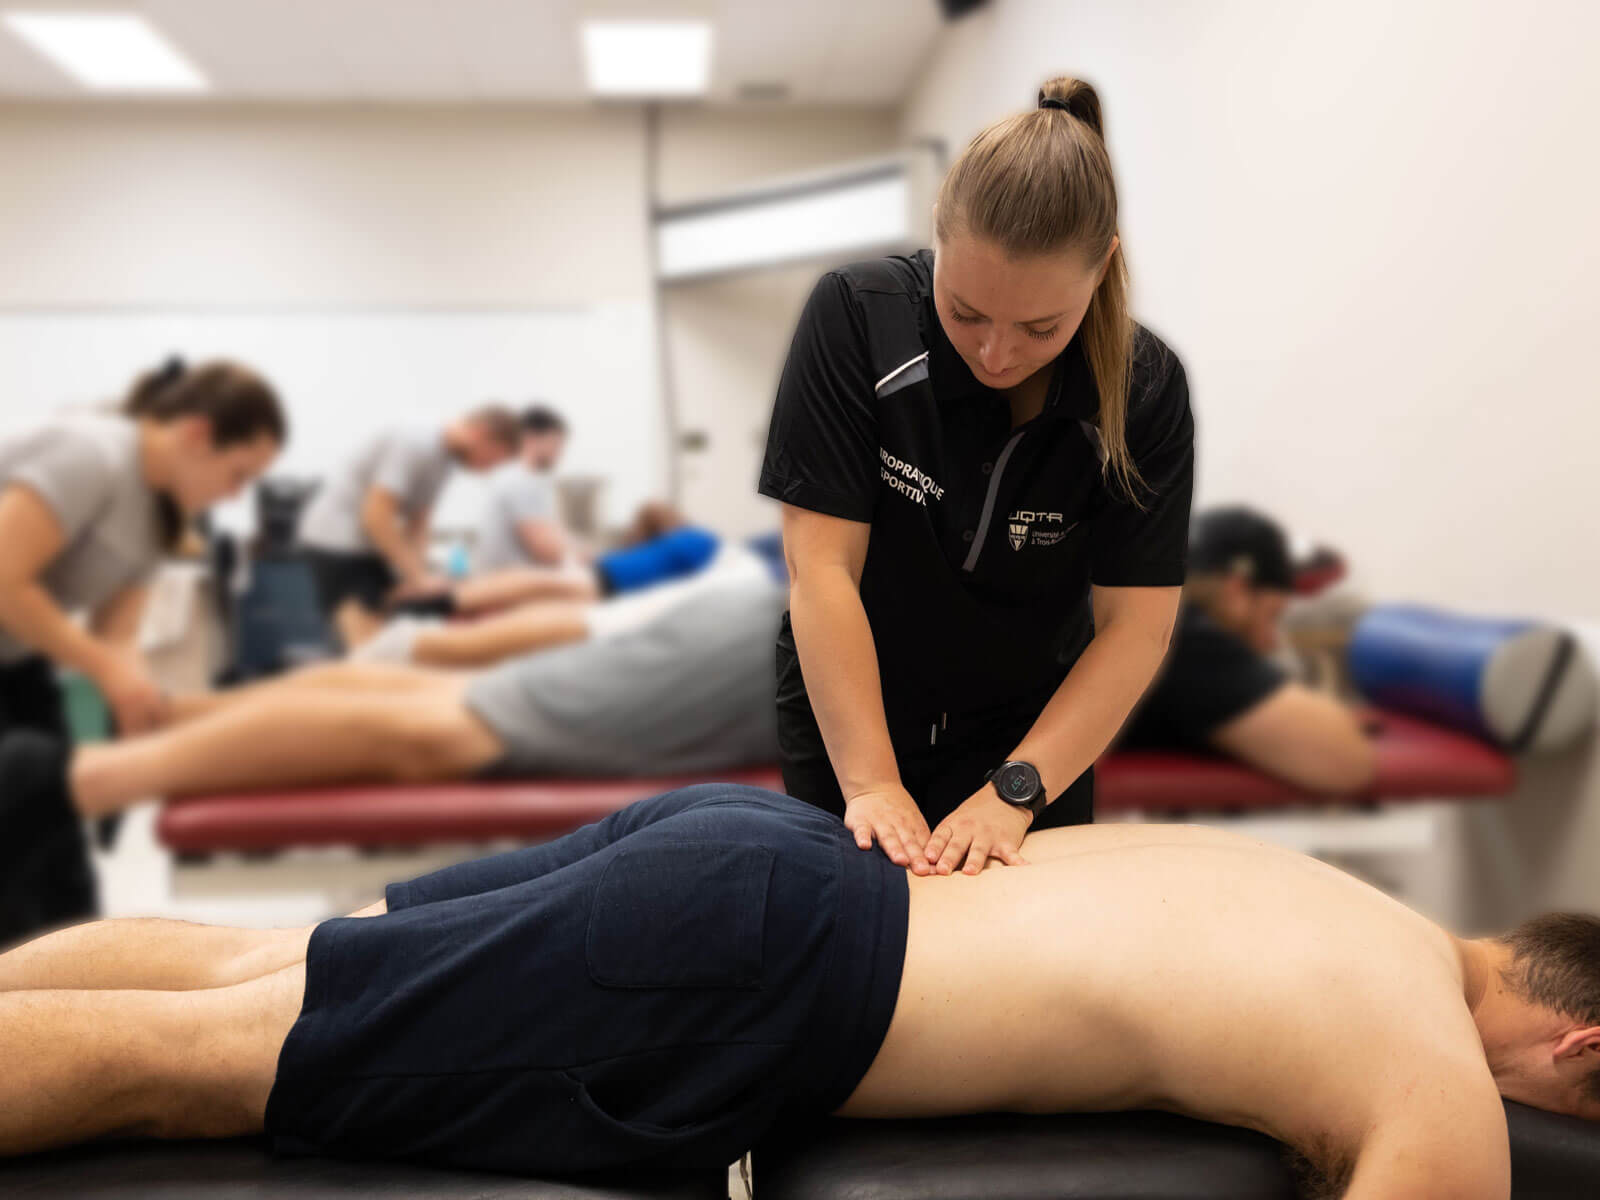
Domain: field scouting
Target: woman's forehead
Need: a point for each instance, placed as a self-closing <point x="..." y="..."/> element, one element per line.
<point x="1027" y="289"/>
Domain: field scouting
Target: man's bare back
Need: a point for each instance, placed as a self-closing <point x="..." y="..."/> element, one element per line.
<point x="1187" y="969"/>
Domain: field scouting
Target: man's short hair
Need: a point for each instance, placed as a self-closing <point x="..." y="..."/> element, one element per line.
<point x="1555" y="963"/>
<point x="500" y="423"/>
<point x="541" y="418"/>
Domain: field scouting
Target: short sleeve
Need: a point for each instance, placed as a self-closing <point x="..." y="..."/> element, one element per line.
<point x="69" y="472"/>
<point x="822" y="445"/>
<point x="401" y="469"/>
<point x="525" y="496"/>
<point x="1146" y="544"/>
<point x="1211" y="678"/>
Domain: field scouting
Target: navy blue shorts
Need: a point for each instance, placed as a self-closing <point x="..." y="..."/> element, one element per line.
<point x="655" y="990"/>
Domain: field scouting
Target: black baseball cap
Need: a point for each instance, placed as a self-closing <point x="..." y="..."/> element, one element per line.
<point x="1238" y="539"/>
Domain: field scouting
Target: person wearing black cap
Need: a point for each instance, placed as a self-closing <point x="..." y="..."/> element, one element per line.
<point x="1219" y="689"/>
<point x="985" y="466"/>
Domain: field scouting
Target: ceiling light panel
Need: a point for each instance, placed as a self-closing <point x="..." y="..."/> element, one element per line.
<point x="118" y="52"/>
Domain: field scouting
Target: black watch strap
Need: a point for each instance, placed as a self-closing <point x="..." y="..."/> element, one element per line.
<point x="1019" y="785"/>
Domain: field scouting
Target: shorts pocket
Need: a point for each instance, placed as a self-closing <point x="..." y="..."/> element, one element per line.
<point x="680" y="915"/>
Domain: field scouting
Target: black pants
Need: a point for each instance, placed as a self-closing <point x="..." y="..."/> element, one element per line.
<point x="50" y="882"/>
<point x="362" y="576"/>
<point x="940" y="767"/>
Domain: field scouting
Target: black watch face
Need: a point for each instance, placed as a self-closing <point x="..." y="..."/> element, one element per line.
<point x="1017" y="782"/>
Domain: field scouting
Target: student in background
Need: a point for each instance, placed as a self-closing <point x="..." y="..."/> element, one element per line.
<point x="366" y="530"/>
<point x="520" y="526"/>
<point x="89" y="505"/>
<point x="1219" y="689"/>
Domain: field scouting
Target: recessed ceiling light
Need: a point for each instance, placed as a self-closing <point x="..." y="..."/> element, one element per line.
<point x="647" y="58"/>
<point x="108" y="51"/>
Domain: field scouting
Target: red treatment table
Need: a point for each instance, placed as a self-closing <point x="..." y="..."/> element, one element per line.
<point x="1416" y="761"/>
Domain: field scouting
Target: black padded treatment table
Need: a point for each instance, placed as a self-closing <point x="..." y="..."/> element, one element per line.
<point x="242" y="1169"/>
<point x="1113" y="1156"/>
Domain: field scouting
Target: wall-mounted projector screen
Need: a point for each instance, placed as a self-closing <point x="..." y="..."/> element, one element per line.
<point x="869" y="208"/>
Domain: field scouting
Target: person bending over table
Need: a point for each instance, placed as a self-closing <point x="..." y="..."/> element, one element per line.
<point x="681" y="695"/>
<point x="985" y="465"/>
<point x="661" y="988"/>
<point x="90" y="503"/>
<point x="366" y="529"/>
<point x="1219" y="689"/>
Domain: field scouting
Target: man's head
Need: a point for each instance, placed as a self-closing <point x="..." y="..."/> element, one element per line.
<point x="484" y="438"/>
<point x="1239" y="573"/>
<point x="1539" y="1013"/>
<point x="544" y="437"/>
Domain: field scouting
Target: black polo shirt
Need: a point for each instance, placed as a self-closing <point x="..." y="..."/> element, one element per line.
<point x="1210" y="678"/>
<point x="985" y="539"/>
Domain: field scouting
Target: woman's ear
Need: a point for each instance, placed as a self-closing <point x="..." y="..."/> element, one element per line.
<point x="1106" y="266"/>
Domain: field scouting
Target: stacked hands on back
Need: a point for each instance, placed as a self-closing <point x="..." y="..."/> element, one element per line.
<point x="984" y="827"/>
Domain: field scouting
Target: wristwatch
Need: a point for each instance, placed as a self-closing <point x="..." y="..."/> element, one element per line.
<point x="1019" y="785"/>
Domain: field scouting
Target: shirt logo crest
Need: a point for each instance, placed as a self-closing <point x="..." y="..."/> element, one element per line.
<point x="1020" y="522"/>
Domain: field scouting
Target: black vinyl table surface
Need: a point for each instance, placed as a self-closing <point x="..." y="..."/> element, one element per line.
<point x="243" y="1169"/>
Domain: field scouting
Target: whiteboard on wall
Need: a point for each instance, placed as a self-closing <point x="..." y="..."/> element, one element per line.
<point x="344" y="374"/>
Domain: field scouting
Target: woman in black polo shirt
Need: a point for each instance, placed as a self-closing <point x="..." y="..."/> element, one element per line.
<point x="985" y="467"/>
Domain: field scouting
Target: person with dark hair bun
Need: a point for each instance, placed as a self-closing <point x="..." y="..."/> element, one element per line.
<point x="89" y="505"/>
<point x="365" y="532"/>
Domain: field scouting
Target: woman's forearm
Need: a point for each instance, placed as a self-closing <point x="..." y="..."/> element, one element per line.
<point x="29" y="614"/>
<point x="840" y="664"/>
<point x="1091" y="704"/>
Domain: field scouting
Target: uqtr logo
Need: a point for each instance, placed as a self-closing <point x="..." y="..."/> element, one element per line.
<point x="1020" y="520"/>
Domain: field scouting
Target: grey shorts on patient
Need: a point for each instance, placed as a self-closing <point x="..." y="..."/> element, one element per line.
<point x="690" y="692"/>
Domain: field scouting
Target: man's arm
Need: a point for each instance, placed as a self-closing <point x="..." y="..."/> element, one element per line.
<point x="384" y="523"/>
<point x="1309" y="739"/>
<point x="1447" y="1142"/>
<point x="542" y="540"/>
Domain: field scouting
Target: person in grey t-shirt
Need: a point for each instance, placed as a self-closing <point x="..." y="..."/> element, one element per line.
<point x="520" y="526"/>
<point x="366" y="530"/>
<point x="89" y="504"/>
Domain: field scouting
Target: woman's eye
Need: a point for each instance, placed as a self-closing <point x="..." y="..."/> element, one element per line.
<point x="1044" y="335"/>
<point x="964" y="319"/>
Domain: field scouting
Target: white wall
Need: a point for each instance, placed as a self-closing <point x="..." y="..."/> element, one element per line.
<point x="1369" y="229"/>
<point x="727" y="337"/>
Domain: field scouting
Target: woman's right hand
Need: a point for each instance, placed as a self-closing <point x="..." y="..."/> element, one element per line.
<point x="136" y="700"/>
<point x="892" y="817"/>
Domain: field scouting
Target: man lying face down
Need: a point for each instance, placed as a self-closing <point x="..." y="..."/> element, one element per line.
<point x="660" y="988"/>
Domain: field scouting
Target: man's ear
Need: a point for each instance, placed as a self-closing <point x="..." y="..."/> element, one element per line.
<point x="1577" y="1042"/>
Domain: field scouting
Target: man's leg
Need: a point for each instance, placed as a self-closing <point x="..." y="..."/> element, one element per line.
<point x="523" y="585"/>
<point x="152" y="954"/>
<point x="341" y="675"/>
<point x="492" y="639"/>
<point x="290" y="738"/>
<point x="88" y="1064"/>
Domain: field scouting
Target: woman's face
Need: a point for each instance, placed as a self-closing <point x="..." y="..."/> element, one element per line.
<point x="207" y="474"/>
<point x="1007" y="317"/>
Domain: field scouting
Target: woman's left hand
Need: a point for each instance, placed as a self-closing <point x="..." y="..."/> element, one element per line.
<point x="984" y="827"/>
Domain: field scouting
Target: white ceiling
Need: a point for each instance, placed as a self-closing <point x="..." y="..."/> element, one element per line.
<point x="825" y="51"/>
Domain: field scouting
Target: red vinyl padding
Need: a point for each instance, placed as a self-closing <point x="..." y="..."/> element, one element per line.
<point x="1415" y="760"/>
